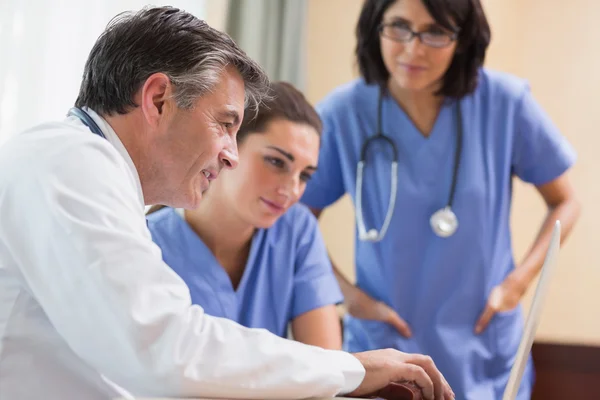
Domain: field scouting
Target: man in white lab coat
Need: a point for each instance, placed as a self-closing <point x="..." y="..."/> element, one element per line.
<point x="88" y="309"/>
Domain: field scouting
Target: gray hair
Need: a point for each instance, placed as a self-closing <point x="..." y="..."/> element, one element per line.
<point x="136" y="45"/>
<point x="203" y="78"/>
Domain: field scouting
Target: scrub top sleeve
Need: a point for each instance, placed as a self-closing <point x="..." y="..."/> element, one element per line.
<point x="86" y="256"/>
<point x="315" y="284"/>
<point x="327" y="184"/>
<point x="540" y="152"/>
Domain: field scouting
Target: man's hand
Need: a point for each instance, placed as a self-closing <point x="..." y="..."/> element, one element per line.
<point x="361" y="305"/>
<point x="387" y="366"/>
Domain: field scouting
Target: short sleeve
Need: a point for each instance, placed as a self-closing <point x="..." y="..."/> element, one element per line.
<point x="540" y="153"/>
<point x="326" y="185"/>
<point x="315" y="284"/>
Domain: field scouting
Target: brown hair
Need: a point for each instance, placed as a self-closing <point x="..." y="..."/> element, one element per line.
<point x="285" y="102"/>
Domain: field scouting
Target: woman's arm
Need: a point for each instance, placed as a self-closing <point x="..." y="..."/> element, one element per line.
<point x="563" y="205"/>
<point x="361" y="305"/>
<point x="319" y="327"/>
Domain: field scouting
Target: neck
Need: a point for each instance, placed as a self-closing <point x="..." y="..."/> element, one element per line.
<point x="223" y="231"/>
<point x="422" y="106"/>
<point x="127" y="128"/>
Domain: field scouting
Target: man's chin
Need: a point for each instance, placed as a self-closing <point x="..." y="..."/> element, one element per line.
<point x="189" y="202"/>
<point x="195" y="201"/>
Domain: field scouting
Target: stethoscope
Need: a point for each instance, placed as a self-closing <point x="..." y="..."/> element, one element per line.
<point x="86" y="120"/>
<point x="443" y="222"/>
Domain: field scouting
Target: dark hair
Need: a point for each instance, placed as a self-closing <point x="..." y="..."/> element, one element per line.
<point x="136" y="45"/>
<point x="474" y="37"/>
<point x="284" y="102"/>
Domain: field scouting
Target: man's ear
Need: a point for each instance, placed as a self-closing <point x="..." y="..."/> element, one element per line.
<point x="156" y="97"/>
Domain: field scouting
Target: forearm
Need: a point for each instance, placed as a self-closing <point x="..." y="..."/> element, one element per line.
<point x="567" y="212"/>
<point x="319" y="327"/>
<point x="345" y="285"/>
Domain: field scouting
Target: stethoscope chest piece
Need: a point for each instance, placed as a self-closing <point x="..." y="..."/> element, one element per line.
<point x="444" y="222"/>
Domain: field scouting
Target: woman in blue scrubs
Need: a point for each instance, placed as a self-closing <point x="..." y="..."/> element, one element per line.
<point x="431" y="286"/>
<point x="250" y="253"/>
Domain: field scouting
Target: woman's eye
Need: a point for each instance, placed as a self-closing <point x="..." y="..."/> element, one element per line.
<point x="275" y="162"/>
<point x="401" y="25"/>
<point x="227" y="125"/>
<point x="435" y="31"/>
<point x="305" y="177"/>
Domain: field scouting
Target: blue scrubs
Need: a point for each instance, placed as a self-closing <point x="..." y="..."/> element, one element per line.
<point x="440" y="286"/>
<point x="287" y="273"/>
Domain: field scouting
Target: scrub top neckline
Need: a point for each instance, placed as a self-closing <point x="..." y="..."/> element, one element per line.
<point x="394" y="114"/>
<point x="422" y="154"/>
<point x="216" y="269"/>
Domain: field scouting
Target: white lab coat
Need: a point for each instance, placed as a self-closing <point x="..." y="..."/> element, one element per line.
<point x="87" y="305"/>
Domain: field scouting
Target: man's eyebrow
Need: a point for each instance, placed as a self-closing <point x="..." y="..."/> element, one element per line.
<point x="230" y="114"/>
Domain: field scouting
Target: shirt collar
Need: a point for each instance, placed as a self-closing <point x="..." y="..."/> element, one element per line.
<point x="113" y="139"/>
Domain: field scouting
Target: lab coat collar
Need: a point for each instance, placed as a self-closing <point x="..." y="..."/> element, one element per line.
<point x="113" y="139"/>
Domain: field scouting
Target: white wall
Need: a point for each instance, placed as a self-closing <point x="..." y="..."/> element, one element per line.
<point x="43" y="48"/>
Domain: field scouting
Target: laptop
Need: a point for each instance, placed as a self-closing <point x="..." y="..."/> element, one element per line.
<point x="533" y="318"/>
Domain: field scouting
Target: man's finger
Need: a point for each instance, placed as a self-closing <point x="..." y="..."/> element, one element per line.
<point x="449" y="394"/>
<point x="439" y="382"/>
<point x="397" y="322"/>
<point x="485" y="319"/>
<point x="414" y="373"/>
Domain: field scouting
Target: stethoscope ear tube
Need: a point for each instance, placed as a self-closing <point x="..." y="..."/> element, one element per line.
<point x="372" y="235"/>
<point x="86" y="120"/>
<point x="444" y="222"/>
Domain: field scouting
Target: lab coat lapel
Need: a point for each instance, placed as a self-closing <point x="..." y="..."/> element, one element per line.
<point x="114" y="139"/>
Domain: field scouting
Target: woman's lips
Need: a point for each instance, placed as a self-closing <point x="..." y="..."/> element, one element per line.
<point x="276" y="208"/>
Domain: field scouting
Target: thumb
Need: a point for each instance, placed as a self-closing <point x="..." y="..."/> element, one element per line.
<point x="484" y="319"/>
<point x="397" y="322"/>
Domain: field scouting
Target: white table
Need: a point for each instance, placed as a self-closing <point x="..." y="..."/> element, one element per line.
<point x="173" y="398"/>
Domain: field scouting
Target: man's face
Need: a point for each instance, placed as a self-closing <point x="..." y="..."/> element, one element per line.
<point x="192" y="146"/>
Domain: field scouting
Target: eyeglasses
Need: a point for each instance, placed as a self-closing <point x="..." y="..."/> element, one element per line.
<point x="400" y="32"/>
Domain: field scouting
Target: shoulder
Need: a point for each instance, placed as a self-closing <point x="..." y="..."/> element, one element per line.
<point x="167" y="230"/>
<point x="296" y="223"/>
<point x="500" y="86"/>
<point x="59" y="151"/>
<point x="162" y="219"/>
<point x="347" y="98"/>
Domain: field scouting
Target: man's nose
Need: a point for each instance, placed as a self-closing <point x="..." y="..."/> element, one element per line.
<point x="229" y="156"/>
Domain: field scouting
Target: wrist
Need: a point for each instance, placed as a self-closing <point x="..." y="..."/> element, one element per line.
<point x="350" y="294"/>
<point x="517" y="283"/>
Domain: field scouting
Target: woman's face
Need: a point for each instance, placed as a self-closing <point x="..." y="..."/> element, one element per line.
<point x="414" y="65"/>
<point x="272" y="173"/>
